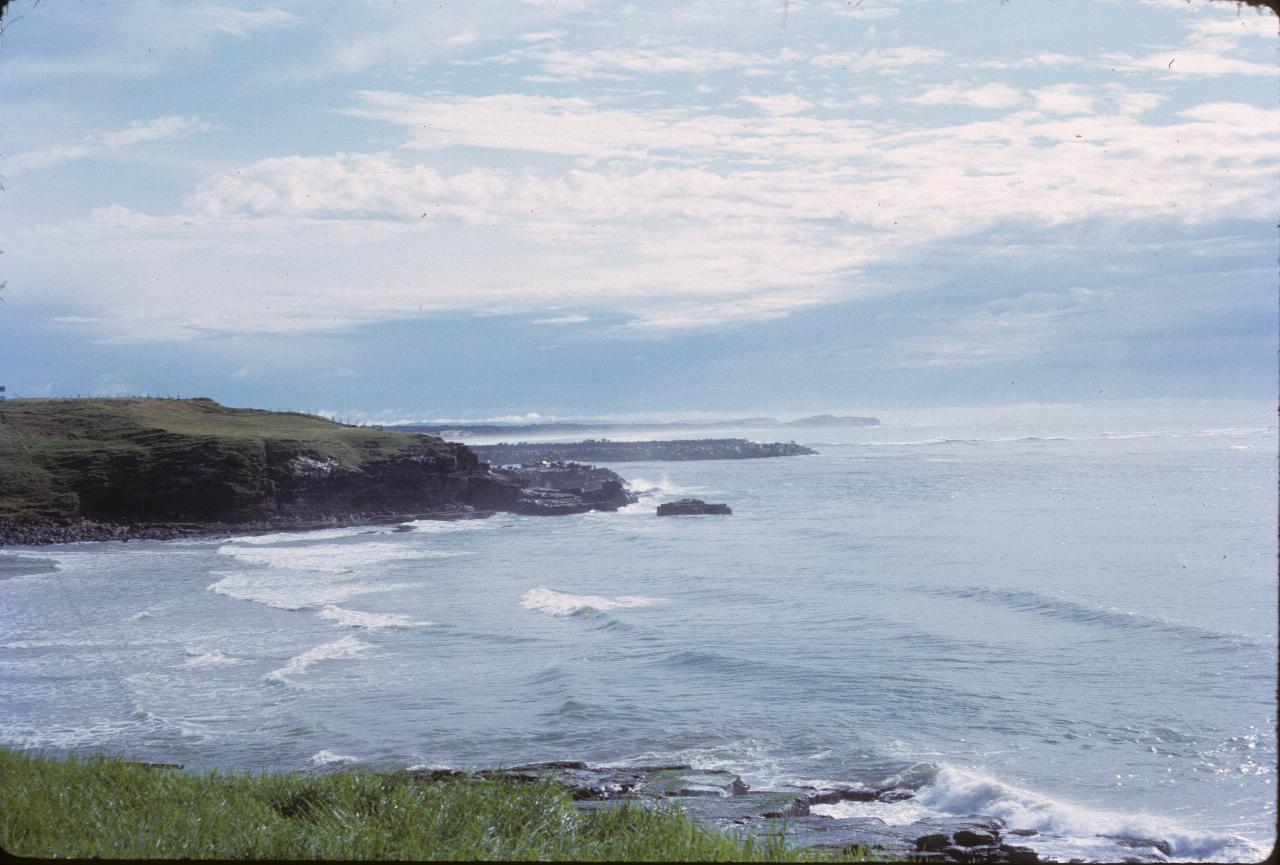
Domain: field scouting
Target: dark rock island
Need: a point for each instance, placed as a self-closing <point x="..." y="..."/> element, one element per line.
<point x="605" y="451"/>
<point x="691" y="507"/>
<point x="102" y="469"/>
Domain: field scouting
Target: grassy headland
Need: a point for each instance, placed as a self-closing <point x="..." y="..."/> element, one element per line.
<point x="132" y="460"/>
<point x="107" y="807"/>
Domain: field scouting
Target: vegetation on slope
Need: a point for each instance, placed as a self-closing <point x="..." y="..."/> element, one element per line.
<point x="106" y="807"/>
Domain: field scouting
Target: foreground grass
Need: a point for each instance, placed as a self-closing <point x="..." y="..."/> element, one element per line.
<point x="106" y="807"/>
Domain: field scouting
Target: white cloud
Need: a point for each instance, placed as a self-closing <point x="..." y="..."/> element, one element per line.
<point x="981" y="96"/>
<point x="780" y="103"/>
<point x="109" y="141"/>
<point x="563" y="319"/>
<point x="1186" y="63"/>
<point x="746" y="219"/>
<point x="1063" y="99"/>
<point x="887" y="61"/>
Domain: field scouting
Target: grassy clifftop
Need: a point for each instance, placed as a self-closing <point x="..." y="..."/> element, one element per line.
<point x="134" y="459"/>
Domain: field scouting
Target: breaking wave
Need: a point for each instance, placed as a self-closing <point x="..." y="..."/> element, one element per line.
<point x="327" y="758"/>
<point x="347" y="647"/>
<point x="1072" y="829"/>
<point x="555" y="603"/>
<point x="293" y="591"/>
<point x="212" y="659"/>
<point x="343" y="618"/>
<point x="330" y="558"/>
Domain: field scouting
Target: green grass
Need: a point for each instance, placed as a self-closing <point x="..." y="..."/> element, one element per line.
<point x="105" y="807"/>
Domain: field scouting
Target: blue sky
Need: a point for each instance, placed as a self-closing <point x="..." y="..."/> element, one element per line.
<point x="402" y="210"/>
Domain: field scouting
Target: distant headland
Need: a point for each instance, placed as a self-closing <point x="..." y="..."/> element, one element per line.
<point x="605" y="451"/>
<point x="463" y="429"/>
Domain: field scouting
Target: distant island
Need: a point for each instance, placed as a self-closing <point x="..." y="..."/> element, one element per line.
<point x="830" y="420"/>
<point x="605" y="451"/>
<point x="462" y="430"/>
<point x="122" y="468"/>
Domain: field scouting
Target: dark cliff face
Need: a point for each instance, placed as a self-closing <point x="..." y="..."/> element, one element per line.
<point x="176" y="478"/>
<point x="135" y="461"/>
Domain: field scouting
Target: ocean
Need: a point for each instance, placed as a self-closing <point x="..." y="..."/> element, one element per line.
<point x="1066" y="623"/>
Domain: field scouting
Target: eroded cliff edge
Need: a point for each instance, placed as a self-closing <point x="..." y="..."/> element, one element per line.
<point x="94" y="469"/>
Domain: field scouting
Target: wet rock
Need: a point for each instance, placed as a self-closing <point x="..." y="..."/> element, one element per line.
<point x="969" y="838"/>
<point x="693" y="783"/>
<point x="958" y="853"/>
<point x="933" y="842"/>
<point x="1020" y="855"/>
<point x="551" y="764"/>
<point x="753" y="806"/>
<point x="1129" y="841"/>
<point x="895" y="795"/>
<point x="546" y="502"/>
<point x="431" y="776"/>
<point x="1025" y="833"/>
<point x="691" y="507"/>
<point x="843" y="794"/>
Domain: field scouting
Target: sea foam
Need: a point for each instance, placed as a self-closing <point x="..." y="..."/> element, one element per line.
<point x="327" y="757"/>
<point x="329" y="558"/>
<point x="550" y="601"/>
<point x="286" y="590"/>
<point x="963" y="791"/>
<point x="344" y="618"/>
<point x="347" y="647"/>
<point x="212" y="659"/>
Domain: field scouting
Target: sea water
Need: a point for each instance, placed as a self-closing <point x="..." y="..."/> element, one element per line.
<point x="1069" y="626"/>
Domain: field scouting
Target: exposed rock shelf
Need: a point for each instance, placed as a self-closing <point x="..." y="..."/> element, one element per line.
<point x="721" y="800"/>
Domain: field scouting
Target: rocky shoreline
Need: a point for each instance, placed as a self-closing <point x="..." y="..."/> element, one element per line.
<point x="42" y="532"/>
<point x="723" y="801"/>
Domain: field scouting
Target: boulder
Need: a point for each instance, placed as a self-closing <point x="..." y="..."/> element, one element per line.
<point x="970" y="838"/>
<point x="687" y="507"/>
<point x="933" y="842"/>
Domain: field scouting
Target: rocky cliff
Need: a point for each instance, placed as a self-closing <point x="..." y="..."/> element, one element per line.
<point x="98" y="468"/>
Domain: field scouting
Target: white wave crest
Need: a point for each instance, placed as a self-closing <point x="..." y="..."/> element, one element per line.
<point x="547" y="600"/>
<point x="663" y="486"/>
<point x="891" y="813"/>
<point x="344" y="618"/>
<point x="306" y="535"/>
<point x="286" y="590"/>
<point x="212" y="659"/>
<point x="329" y="558"/>
<point x="347" y="647"/>
<point x="327" y="757"/>
<point x="445" y="527"/>
<point x="962" y="791"/>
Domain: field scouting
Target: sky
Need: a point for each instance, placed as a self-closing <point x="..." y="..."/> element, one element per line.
<point x="388" y="210"/>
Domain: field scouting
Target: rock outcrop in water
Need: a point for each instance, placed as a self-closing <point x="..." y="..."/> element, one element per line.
<point x="691" y="507"/>
<point x="605" y="451"/>
<point x="120" y="469"/>
<point x="552" y="488"/>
